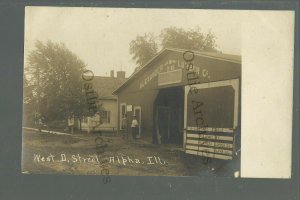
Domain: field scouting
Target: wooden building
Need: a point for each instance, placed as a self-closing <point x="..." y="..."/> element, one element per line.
<point x="183" y="97"/>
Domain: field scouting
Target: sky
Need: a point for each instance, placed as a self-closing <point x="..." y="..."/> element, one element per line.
<point x="101" y="36"/>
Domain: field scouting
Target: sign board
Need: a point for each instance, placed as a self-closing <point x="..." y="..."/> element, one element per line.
<point x="213" y="146"/>
<point x="170" y="77"/>
<point x="129" y="108"/>
<point x="211" y="119"/>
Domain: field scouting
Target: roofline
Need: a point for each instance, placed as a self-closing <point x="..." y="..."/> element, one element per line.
<point x="177" y="50"/>
<point x="96" y="76"/>
<point x="199" y="53"/>
<point x="133" y="74"/>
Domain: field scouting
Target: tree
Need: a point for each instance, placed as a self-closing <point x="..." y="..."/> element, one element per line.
<point x="28" y="103"/>
<point x="54" y="77"/>
<point x="192" y="39"/>
<point x="143" y="48"/>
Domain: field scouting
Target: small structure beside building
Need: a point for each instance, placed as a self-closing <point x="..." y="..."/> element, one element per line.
<point x="106" y="118"/>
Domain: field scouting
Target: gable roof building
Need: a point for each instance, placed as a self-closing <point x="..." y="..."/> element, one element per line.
<point x="211" y="55"/>
<point x="162" y="94"/>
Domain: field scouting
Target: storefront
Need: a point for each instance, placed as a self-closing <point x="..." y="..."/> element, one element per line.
<point x="166" y="92"/>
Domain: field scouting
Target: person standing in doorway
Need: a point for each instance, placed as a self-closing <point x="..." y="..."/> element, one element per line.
<point x="124" y="127"/>
<point x="134" y="127"/>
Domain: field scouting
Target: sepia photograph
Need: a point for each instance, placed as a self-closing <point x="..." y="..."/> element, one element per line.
<point x="132" y="92"/>
<point x="149" y="100"/>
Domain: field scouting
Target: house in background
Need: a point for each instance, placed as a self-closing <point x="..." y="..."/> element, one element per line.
<point x="107" y="118"/>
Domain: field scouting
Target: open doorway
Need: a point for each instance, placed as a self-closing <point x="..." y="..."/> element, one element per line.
<point x="168" y="117"/>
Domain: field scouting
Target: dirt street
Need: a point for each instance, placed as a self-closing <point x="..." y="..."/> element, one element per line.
<point x="78" y="154"/>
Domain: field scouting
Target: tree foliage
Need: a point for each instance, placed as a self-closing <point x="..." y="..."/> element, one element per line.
<point x="192" y="39"/>
<point x="143" y="48"/>
<point x="54" y="76"/>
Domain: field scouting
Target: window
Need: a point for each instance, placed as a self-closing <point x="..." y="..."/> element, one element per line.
<point x="105" y="117"/>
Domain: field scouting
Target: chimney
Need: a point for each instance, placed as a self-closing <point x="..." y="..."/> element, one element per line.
<point x="112" y="73"/>
<point x="120" y="74"/>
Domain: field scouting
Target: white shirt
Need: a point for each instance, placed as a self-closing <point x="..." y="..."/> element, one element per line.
<point x="134" y="123"/>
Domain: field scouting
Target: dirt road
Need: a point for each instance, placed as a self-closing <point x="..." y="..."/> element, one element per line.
<point x="78" y="154"/>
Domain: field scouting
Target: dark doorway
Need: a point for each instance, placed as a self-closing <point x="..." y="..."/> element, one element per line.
<point x="168" y="118"/>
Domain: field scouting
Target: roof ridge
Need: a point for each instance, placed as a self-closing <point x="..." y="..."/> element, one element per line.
<point x="203" y="54"/>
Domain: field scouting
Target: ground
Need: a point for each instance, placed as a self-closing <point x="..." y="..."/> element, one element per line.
<point x="89" y="154"/>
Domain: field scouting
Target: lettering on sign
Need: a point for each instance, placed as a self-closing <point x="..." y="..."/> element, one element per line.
<point x="210" y="137"/>
<point x="209" y="149"/>
<point x="209" y="143"/>
<point x="172" y="65"/>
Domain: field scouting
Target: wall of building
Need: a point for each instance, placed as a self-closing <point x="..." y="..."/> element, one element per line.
<point x="107" y="105"/>
<point x="110" y="105"/>
<point x="143" y="89"/>
<point x="145" y="100"/>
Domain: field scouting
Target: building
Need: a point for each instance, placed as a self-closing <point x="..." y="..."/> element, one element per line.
<point x="107" y="119"/>
<point x="178" y="89"/>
